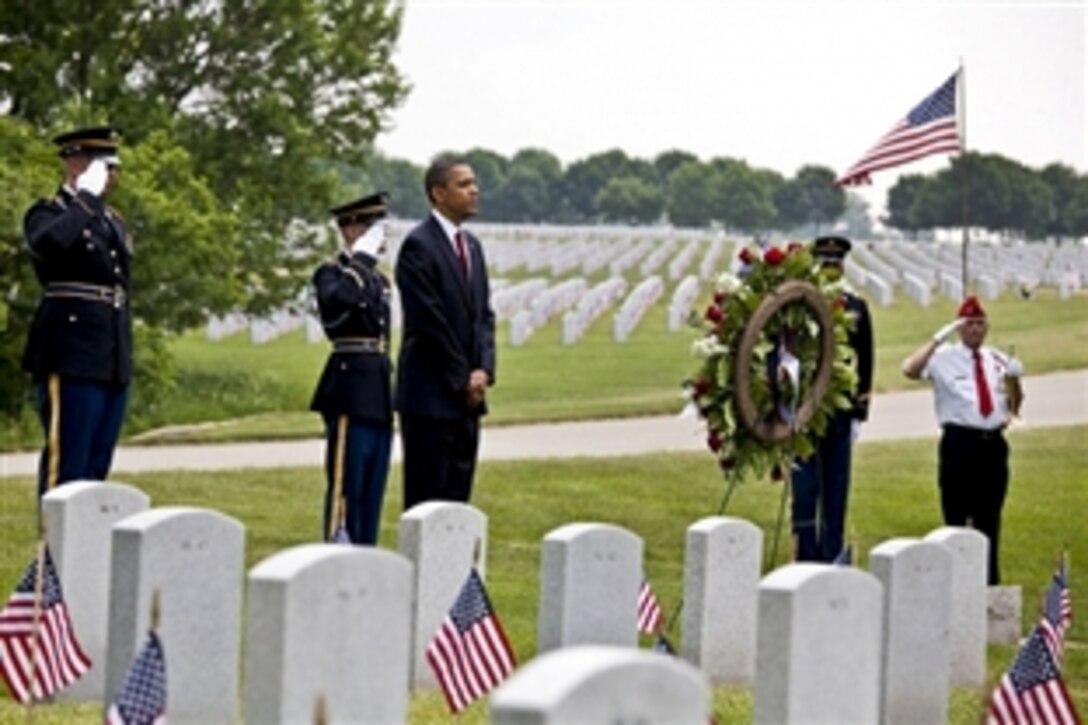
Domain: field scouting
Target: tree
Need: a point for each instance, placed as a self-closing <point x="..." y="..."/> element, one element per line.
<point x="667" y="162"/>
<point x="258" y="93"/>
<point x="1062" y="181"/>
<point x="231" y="112"/>
<point x="901" y="198"/>
<point x="404" y="182"/>
<point x="743" y="198"/>
<point x="491" y="169"/>
<point x="810" y="198"/>
<point x="691" y="195"/>
<point x="584" y="178"/>
<point x="630" y="200"/>
<point x="531" y="189"/>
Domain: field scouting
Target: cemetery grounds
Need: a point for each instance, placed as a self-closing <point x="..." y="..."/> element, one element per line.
<point x="263" y="391"/>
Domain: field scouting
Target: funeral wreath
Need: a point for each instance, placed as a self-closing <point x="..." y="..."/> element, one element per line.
<point x="773" y="361"/>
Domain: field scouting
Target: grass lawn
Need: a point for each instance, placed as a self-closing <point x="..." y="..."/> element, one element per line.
<point x="657" y="497"/>
<point x="238" y="391"/>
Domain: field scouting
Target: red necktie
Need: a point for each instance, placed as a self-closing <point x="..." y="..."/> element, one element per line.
<point x="985" y="403"/>
<point x="462" y="252"/>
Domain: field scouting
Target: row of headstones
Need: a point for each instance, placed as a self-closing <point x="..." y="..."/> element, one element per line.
<point x="594" y="303"/>
<point x="645" y="294"/>
<point x="351" y="624"/>
<point x="917" y="274"/>
<point x="544" y="307"/>
<point x="658" y="256"/>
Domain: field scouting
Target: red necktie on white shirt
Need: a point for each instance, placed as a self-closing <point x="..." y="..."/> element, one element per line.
<point x="462" y="251"/>
<point x="985" y="402"/>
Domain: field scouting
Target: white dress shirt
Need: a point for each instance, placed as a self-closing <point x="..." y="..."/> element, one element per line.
<point x="952" y="370"/>
<point x="451" y="230"/>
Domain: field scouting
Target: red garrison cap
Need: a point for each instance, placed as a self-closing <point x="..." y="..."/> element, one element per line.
<point x="971" y="308"/>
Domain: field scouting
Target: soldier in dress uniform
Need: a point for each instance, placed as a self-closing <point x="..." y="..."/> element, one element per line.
<point x="79" y="349"/>
<point x="354" y="394"/>
<point x="821" y="482"/>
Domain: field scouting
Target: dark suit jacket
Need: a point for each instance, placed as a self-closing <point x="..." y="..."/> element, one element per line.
<point x="353" y="300"/>
<point x="448" y="328"/>
<point x="76" y="238"/>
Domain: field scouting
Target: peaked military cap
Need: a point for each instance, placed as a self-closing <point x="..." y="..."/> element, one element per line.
<point x="362" y="210"/>
<point x="96" y="141"/>
<point x="831" y="249"/>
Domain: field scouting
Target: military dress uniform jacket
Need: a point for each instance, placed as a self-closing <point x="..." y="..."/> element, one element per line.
<point x="82" y="256"/>
<point x="353" y="302"/>
<point x="860" y="339"/>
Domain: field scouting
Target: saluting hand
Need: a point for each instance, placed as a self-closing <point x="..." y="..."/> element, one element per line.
<point x="943" y="334"/>
<point x="94" y="177"/>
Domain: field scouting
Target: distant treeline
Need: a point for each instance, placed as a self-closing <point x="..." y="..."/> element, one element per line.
<point x="678" y="188"/>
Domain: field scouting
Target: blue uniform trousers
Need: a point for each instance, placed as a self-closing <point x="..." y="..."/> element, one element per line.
<point x="821" y="485"/>
<point x="89" y="416"/>
<point x="367" y="449"/>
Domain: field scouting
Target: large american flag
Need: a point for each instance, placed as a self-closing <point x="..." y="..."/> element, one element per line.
<point x="1057" y="612"/>
<point x="39" y="658"/>
<point x="470" y="654"/>
<point x="1032" y="691"/>
<point x="142" y="699"/>
<point x="650" y="618"/>
<point x="930" y="128"/>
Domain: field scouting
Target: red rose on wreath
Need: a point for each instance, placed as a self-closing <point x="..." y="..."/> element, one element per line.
<point x="774" y="256"/>
<point x="714" y="313"/>
<point x="746" y="256"/>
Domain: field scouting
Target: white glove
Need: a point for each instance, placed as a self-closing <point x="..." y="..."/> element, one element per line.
<point x="372" y="241"/>
<point x="1015" y="368"/>
<point x="942" y="334"/>
<point x="855" y="430"/>
<point x="93" y="179"/>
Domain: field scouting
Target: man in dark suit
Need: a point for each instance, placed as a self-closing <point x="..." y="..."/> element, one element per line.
<point x="354" y="394"/>
<point x="447" y="354"/>
<point x="79" y="349"/>
<point x="821" y="482"/>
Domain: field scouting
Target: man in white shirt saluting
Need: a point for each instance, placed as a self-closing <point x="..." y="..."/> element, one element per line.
<point x="969" y="387"/>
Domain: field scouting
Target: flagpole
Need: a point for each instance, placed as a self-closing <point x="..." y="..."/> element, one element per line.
<point x="965" y="176"/>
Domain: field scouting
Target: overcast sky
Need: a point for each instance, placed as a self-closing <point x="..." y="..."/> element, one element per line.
<point x="777" y="84"/>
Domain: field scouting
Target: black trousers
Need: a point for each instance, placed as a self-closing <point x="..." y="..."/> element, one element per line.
<point x="973" y="473"/>
<point x="439" y="458"/>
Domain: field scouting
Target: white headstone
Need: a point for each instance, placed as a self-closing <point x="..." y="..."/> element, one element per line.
<point x="917" y="579"/>
<point x="818" y="646"/>
<point x="600" y="684"/>
<point x="79" y="517"/>
<point x="1003" y="614"/>
<point x="331" y="621"/>
<point x="194" y="558"/>
<point x="970" y="552"/>
<point x="442" y="539"/>
<point x="721" y="590"/>
<point x="590" y="576"/>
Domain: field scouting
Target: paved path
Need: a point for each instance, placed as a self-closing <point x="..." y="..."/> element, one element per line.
<point x="1057" y="399"/>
